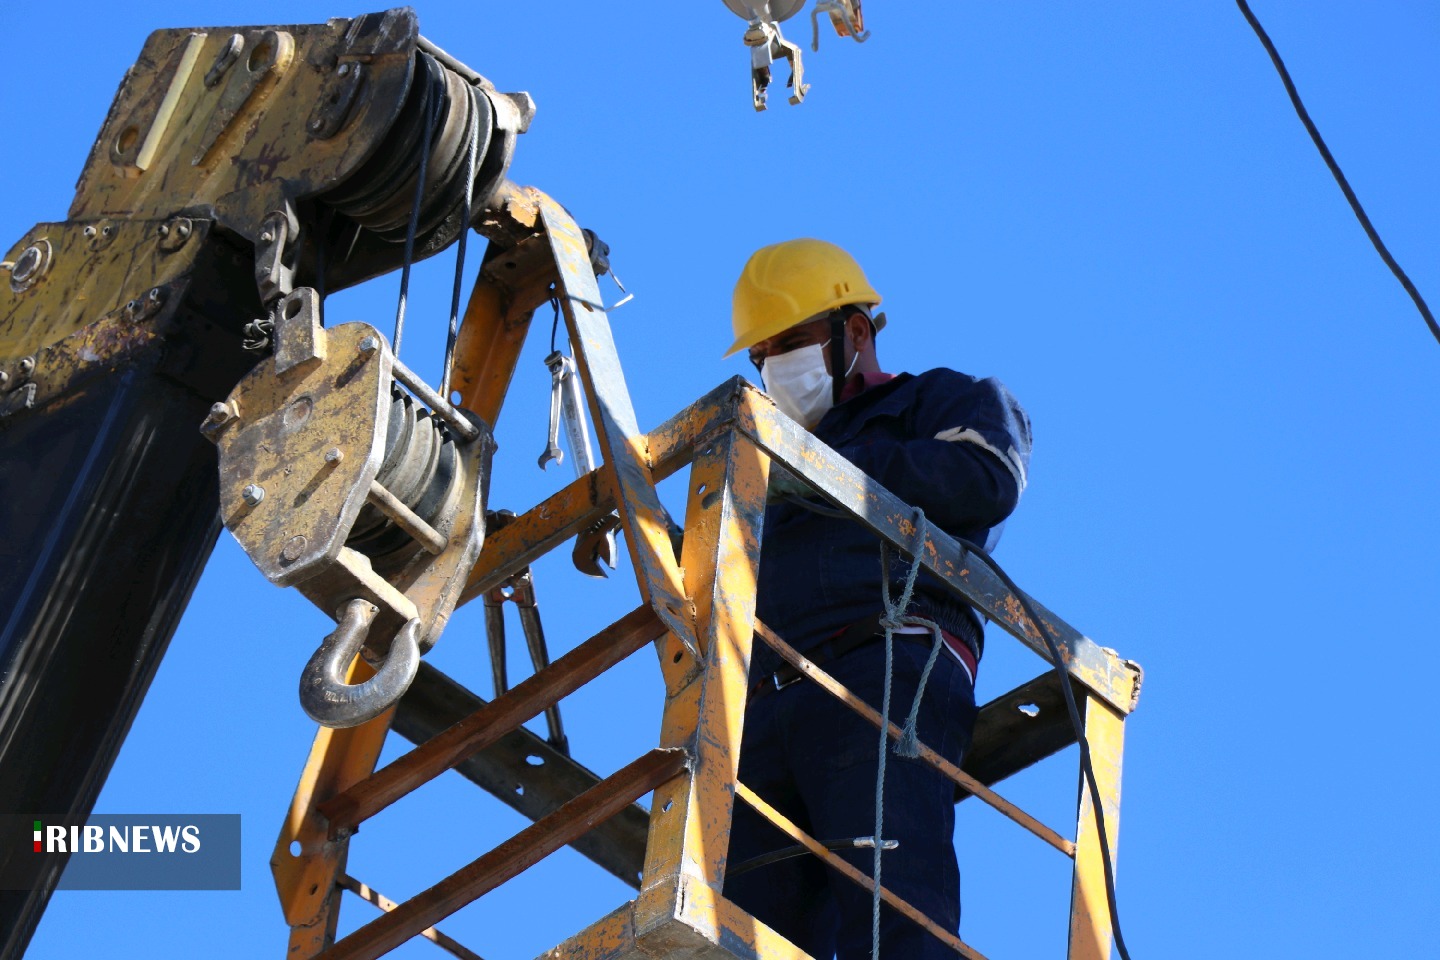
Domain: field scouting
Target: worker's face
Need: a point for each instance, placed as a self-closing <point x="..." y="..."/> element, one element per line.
<point x="813" y="331"/>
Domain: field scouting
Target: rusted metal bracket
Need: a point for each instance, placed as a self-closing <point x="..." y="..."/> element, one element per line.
<point x="253" y="69"/>
<point x="647" y="523"/>
<point x="275" y="254"/>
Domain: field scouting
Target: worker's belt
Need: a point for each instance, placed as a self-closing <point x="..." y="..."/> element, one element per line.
<point x="852" y="637"/>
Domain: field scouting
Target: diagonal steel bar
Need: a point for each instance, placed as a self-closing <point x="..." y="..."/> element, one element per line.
<point x="647" y="524"/>
<point x="514" y="546"/>
<point x="492" y="721"/>
<point x="377" y="899"/>
<point x="844" y="484"/>
<point x="959" y="777"/>
<point x="522" y="771"/>
<point x="512" y="857"/>
<point x="851" y="873"/>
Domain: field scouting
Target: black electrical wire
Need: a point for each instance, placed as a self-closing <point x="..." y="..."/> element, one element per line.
<point x="1335" y="171"/>
<point x="555" y="321"/>
<point x="1086" y="767"/>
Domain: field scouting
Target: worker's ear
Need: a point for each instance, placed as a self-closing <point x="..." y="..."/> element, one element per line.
<point x="861" y="334"/>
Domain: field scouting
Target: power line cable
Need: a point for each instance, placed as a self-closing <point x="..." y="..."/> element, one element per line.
<point x="1086" y="767"/>
<point x="1354" y="201"/>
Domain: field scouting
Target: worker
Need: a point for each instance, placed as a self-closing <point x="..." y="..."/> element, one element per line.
<point x="956" y="447"/>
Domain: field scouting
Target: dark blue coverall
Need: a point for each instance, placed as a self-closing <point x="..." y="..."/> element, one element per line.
<point x="958" y="447"/>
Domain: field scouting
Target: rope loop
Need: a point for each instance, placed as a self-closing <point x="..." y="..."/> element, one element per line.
<point x="893" y="618"/>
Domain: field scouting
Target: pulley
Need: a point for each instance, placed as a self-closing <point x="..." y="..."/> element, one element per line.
<point x="346" y="476"/>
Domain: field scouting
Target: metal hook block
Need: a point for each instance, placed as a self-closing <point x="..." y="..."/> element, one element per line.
<point x="324" y="694"/>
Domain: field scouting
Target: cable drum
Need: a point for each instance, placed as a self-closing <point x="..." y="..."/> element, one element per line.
<point x="381" y="194"/>
<point x="422" y="469"/>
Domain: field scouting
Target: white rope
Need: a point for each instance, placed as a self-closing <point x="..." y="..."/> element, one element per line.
<point x="893" y="618"/>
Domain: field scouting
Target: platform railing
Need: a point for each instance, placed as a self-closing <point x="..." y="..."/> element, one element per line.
<point x="729" y="439"/>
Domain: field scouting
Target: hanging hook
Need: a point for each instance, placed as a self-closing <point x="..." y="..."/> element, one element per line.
<point x="328" y="699"/>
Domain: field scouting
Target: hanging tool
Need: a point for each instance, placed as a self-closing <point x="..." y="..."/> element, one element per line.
<point x="552" y="436"/>
<point x="766" y="42"/>
<point x="596" y="543"/>
<point x="520" y="590"/>
<point x="845" y="16"/>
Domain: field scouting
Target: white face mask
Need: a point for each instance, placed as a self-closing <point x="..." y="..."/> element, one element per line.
<point x="799" y="383"/>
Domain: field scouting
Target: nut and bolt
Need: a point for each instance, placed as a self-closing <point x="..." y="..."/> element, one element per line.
<point x="369" y="345"/>
<point x="164" y="229"/>
<point x="334" y="455"/>
<point x="252" y="494"/>
<point x="316" y="124"/>
<point x="4" y="378"/>
<point x="344" y="70"/>
<point x="26" y="366"/>
<point x="267" y="237"/>
<point x="89" y="232"/>
<point x="156" y="295"/>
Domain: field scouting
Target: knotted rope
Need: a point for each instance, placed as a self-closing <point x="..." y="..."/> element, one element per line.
<point x="895" y="617"/>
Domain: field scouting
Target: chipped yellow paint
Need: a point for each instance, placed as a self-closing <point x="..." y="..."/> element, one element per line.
<point x="1090" y="929"/>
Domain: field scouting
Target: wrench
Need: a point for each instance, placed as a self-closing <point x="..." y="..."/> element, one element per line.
<point x="558" y="373"/>
<point x="596" y="544"/>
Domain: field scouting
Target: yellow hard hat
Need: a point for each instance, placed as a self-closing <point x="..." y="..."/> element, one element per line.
<point x="788" y="283"/>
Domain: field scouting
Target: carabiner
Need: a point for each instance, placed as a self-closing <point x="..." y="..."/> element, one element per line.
<point x="324" y="694"/>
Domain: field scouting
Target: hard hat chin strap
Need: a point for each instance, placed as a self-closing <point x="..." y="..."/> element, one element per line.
<point x="837" y="355"/>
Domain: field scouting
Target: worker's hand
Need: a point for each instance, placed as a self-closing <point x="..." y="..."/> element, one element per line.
<point x="784" y="485"/>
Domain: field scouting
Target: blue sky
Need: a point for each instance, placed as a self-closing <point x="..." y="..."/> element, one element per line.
<point x="1110" y="207"/>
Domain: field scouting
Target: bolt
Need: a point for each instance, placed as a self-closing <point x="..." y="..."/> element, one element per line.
<point x="369" y="345"/>
<point x="4" y="378"/>
<point x="344" y="70"/>
<point x="334" y="455"/>
<point x="89" y="232"/>
<point x="156" y="295"/>
<point x="108" y="230"/>
<point x="294" y="547"/>
<point x="28" y="265"/>
<point x="267" y="237"/>
<point x="27" y="366"/>
<point x="316" y="124"/>
<point x="132" y="309"/>
<point x="164" y="229"/>
<point x="182" y="229"/>
<point x="220" y="413"/>
<point x="252" y="494"/>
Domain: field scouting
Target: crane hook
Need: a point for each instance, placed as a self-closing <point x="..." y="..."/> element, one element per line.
<point x="324" y="694"/>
